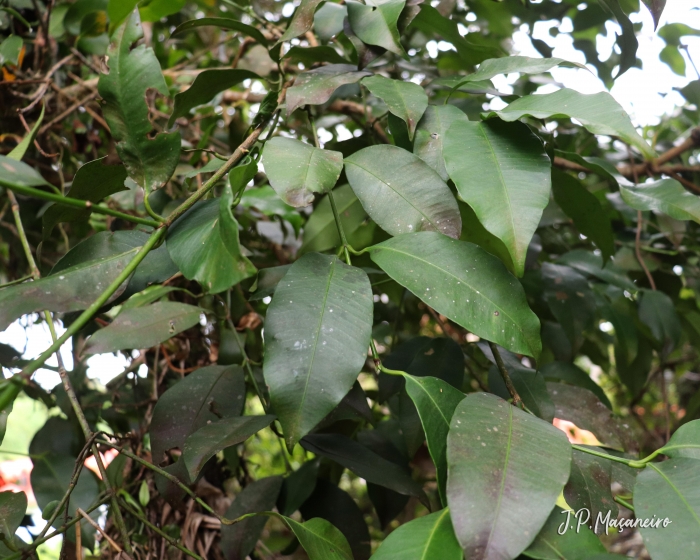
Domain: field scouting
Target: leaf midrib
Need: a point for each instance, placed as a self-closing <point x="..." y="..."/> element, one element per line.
<point x="675" y="489"/>
<point x="432" y="533"/>
<point x="503" y="478"/>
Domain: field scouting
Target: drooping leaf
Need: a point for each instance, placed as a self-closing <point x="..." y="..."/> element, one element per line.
<point x="297" y="487"/>
<point x="204" y="244"/>
<point x="557" y="541"/>
<point x="297" y="170"/>
<point x="685" y="442"/>
<point x="377" y="23"/>
<point x="435" y="401"/>
<point x="94" y="181"/>
<point x="320" y="539"/>
<point x="190" y="404"/>
<point x="430" y="135"/>
<point x="401" y="193"/>
<point x="150" y="162"/>
<point x="238" y="541"/>
<point x="670" y="491"/>
<point x="666" y="195"/>
<point x="656" y="310"/>
<point x="494" y="457"/>
<point x="315" y="87"/>
<point x="464" y="283"/>
<point x="143" y="327"/>
<point x="589" y="487"/>
<point x="406" y="100"/>
<point x="502" y="171"/>
<point x="328" y="20"/>
<point x="598" y="112"/>
<point x="317" y="332"/>
<point x="302" y="20"/>
<point x="205" y="86"/>
<point x="363" y="462"/>
<point x="627" y="41"/>
<point x="585" y="211"/>
<point x="74" y="289"/>
<point x="222" y="23"/>
<point x="13" y="506"/>
<point x="208" y="440"/>
<point x="430" y="536"/>
<point x="521" y="64"/>
<point x="573" y="375"/>
<point x="591" y="264"/>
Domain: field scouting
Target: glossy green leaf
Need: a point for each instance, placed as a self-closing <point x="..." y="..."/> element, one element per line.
<point x="94" y="181"/>
<point x="430" y="135"/>
<point x="656" y="310"/>
<point x="17" y="173"/>
<point x="204" y="244"/>
<point x="573" y="375"/>
<point x="321" y="231"/>
<point x="13" y="506"/>
<point x="364" y="463"/>
<point x="317" y="332"/>
<point x="502" y="171"/>
<point x="589" y="487"/>
<point x="494" y="458"/>
<point x="310" y="55"/>
<point x="143" y="327"/>
<point x="302" y="20"/>
<point x="320" y="539"/>
<point x="670" y="490"/>
<point x="666" y="195"/>
<point x="158" y="9"/>
<point x="150" y="162"/>
<point x="464" y="283"/>
<point x="222" y="23"/>
<point x="205" y="86"/>
<point x="297" y="170"/>
<point x="190" y="404"/>
<point x="377" y="23"/>
<point x="406" y="100"/>
<point x="206" y="442"/>
<point x="328" y="20"/>
<point x="74" y="289"/>
<point x="598" y="112"/>
<point x="315" y="87"/>
<point x="267" y="281"/>
<point x="430" y="536"/>
<point x="239" y="540"/>
<point x="435" y="401"/>
<point x="585" y="210"/>
<point x="559" y="541"/>
<point x="401" y="193"/>
<point x="685" y="442"/>
<point x="521" y="64"/>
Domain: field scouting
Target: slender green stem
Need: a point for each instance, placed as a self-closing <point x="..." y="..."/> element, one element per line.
<point x="624" y="503"/>
<point x="22" y="235"/>
<point x="76" y="203"/>
<point x="18" y="281"/>
<point x="147" y="205"/>
<point x="628" y="462"/>
<point x="392" y="371"/>
<point x="517" y="401"/>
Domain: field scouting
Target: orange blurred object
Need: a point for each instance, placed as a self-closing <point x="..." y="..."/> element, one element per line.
<point x="576" y="434"/>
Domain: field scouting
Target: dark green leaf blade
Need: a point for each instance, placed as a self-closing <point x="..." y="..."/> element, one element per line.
<point x="573" y="375"/>
<point x="13" y="506"/>
<point x="222" y="23"/>
<point x="320" y="539"/>
<point x="666" y="195"/>
<point x="18" y="173"/>
<point x="557" y="541"/>
<point x="430" y="135"/>
<point x="315" y="87"/>
<point x="464" y="283"/>
<point x="302" y="20"/>
<point x="685" y="442"/>
<point x="494" y="457"/>
<point x="406" y="100"/>
<point x="589" y="487"/>
<point x="377" y="24"/>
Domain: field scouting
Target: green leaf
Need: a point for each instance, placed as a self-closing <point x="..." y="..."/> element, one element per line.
<point x="150" y="162"/>
<point x="502" y="171"/>
<point x="670" y="490"/>
<point x="80" y="10"/>
<point x="74" y="289"/>
<point x="656" y="310"/>
<point x="302" y="20"/>
<point x="521" y="64"/>
<point x="591" y="264"/>
<point x="320" y="539"/>
<point x="206" y="442"/>
<point x="585" y="210"/>
<point x="406" y="100"/>
<point x="17" y="173"/>
<point x="94" y="181"/>
<point x="599" y="113"/>
<point x="204" y="244"/>
<point x="627" y="41"/>
<point x="589" y="487"/>
<point x="297" y="170"/>
<point x="321" y="231"/>
<point x="435" y="401"/>
<point x="401" y="193"/>
<point x="328" y="20"/>
<point x="672" y="57"/>
<point x="574" y="543"/>
<point x="222" y="23"/>
<point x="13" y="506"/>
<point x="494" y="458"/>
<point x="529" y="384"/>
<point x="206" y="85"/>
<point x="666" y="195"/>
<point x="10" y="50"/>
<point x="464" y="283"/>
<point x="119" y="10"/>
<point x="20" y="149"/>
<point x="315" y="87"/>
<point x="685" y="442"/>
<point x="143" y="327"/>
<point x="239" y="540"/>
<point x="310" y="55"/>
<point x="297" y="487"/>
<point x="430" y="536"/>
<point x="364" y="463"/>
<point x="155" y="10"/>
<point x="430" y="135"/>
<point x="317" y="332"/>
<point x="206" y="395"/>
<point x="573" y="375"/>
<point x="377" y="23"/>
<point x="144" y="494"/>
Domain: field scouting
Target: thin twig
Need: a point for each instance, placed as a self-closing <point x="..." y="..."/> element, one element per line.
<point x="517" y="401"/>
<point x="100" y="530"/>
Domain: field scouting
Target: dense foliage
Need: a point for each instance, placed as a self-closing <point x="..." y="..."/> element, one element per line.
<point x="357" y="285"/>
